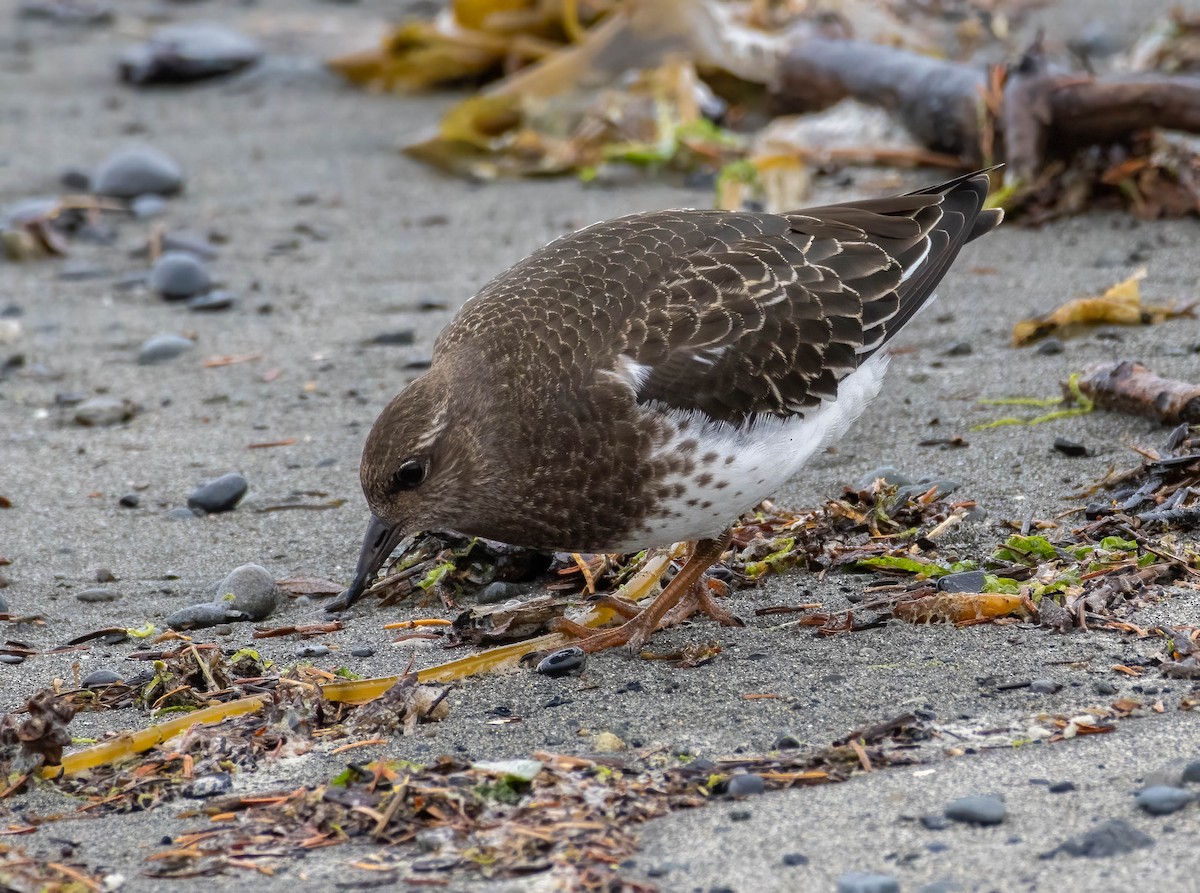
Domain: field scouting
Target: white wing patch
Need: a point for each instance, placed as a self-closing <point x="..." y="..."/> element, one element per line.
<point x="750" y="463"/>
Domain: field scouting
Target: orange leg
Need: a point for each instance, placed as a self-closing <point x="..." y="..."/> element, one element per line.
<point x="636" y="633"/>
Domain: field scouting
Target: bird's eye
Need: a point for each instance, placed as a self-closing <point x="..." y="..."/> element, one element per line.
<point x="409" y="475"/>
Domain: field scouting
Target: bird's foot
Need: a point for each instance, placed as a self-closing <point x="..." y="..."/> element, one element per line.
<point x="633" y="634"/>
<point x="699" y="599"/>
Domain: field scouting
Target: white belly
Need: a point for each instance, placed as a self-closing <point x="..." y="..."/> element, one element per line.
<point x="737" y="468"/>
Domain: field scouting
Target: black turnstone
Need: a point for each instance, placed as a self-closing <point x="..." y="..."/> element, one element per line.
<point x="646" y="380"/>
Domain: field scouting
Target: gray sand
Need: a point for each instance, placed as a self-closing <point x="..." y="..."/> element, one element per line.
<point x="397" y="235"/>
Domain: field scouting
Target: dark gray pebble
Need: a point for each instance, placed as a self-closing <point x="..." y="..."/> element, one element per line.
<point x="1163" y="800"/>
<point x="105" y="575"/>
<point x="76" y="179"/>
<point x="1191" y="772"/>
<point x="1070" y="448"/>
<point x="162" y="349"/>
<point x="182" y="513"/>
<point x="129" y="501"/>
<point x="1044" y="686"/>
<point x="221" y="495"/>
<point x="217" y="784"/>
<point x="251" y="590"/>
<point x="977" y="810"/>
<point x="11" y="659"/>
<point x="401" y="338"/>
<point x="202" y="616"/>
<point x="178" y="54"/>
<point x="740" y="815"/>
<point x="1050" y="347"/>
<point x="309" y="651"/>
<point x="965" y="581"/>
<point x="785" y="742"/>
<point x="794" y="859"/>
<point x="218" y="299"/>
<point x="97" y="594"/>
<point x="890" y="474"/>
<point x="960" y="349"/>
<point x="944" y="487"/>
<point x="1104" y="687"/>
<point x="935" y="822"/>
<point x="861" y="882"/>
<point x="178" y="275"/>
<point x="496" y="593"/>
<point x="1112" y="838"/>
<point x="138" y="170"/>
<point x="364" y="651"/>
<point x="101" y="411"/>
<point x="747" y="785"/>
<point x="567" y="661"/>
<point x="1062" y="787"/>
<point x="100" y="679"/>
<point x="144" y="207"/>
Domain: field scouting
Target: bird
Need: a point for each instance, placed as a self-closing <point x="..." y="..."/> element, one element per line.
<point x="646" y="380"/>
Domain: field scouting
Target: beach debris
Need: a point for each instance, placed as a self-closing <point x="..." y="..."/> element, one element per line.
<point x="1128" y="386"/>
<point x="1119" y="305"/>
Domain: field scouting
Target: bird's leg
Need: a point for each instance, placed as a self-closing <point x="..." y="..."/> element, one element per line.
<point x="636" y="632"/>
<point x="700" y="599"/>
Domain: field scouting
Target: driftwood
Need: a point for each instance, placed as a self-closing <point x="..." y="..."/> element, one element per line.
<point x="1131" y="387"/>
<point x="1025" y="114"/>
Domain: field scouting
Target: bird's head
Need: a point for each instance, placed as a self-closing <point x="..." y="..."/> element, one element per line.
<point x="424" y="467"/>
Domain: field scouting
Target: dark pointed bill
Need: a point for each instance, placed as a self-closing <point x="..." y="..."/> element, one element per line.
<point x="378" y="544"/>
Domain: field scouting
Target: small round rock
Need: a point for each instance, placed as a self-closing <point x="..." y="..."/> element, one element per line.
<point x="977" y="810"/>
<point x="201" y="616"/>
<point x="138" y="170"/>
<point x="220" y="495"/>
<point x="863" y="882"/>
<point x="98" y="412"/>
<point x="210" y="302"/>
<point x="129" y="501"/>
<point x="178" y="275"/>
<point x="308" y="651"/>
<point x="98" y="594"/>
<point x="498" y="592"/>
<point x="1044" y="686"/>
<point x="100" y="678"/>
<point x="563" y="662"/>
<point x="1163" y="800"/>
<point x="251" y="590"/>
<point x="162" y="348"/>
<point x="747" y="785"/>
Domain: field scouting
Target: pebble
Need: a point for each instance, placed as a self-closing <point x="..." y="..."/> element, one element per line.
<point x="1163" y="800"/>
<point x="785" y="742"/>
<point x="746" y="785"/>
<point x="12" y="659"/>
<point x="1191" y="772"/>
<point x="944" y="487"/>
<point x="401" y="338"/>
<point x="1104" y="687"/>
<point x="138" y="170"/>
<point x="218" y="299"/>
<point x="740" y="815"/>
<point x="362" y="651"/>
<point x="890" y="474"/>
<point x="144" y="207"/>
<point x="182" y="513"/>
<point x="220" y="495"/>
<point x="97" y="594"/>
<point x="1112" y="838"/>
<point x="310" y="651"/>
<point x="960" y="349"/>
<point x="182" y="53"/>
<point x="209" y="786"/>
<point x="794" y="859"/>
<point x="178" y="275"/>
<point x="251" y="590"/>
<point x="965" y="581"/>
<point x="862" y="882"/>
<point x="498" y="593"/>
<point x="1061" y="787"/>
<point x="607" y="742"/>
<point x="129" y="501"/>
<point x="131" y="280"/>
<point x="104" y="575"/>
<point x="1070" y="448"/>
<point x="568" y="661"/>
<point x="977" y="810"/>
<point x="100" y="678"/>
<point x="75" y="179"/>
<point x="201" y="616"/>
<point x="946" y="885"/>
<point x="935" y="822"/>
<point x="163" y="348"/>
<point x="1050" y="347"/>
<point x="98" y="412"/>
<point x="1044" y="686"/>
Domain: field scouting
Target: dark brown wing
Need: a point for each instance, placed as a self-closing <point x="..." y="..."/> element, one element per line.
<point x="771" y="322"/>
<point x="733" y="313"/>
